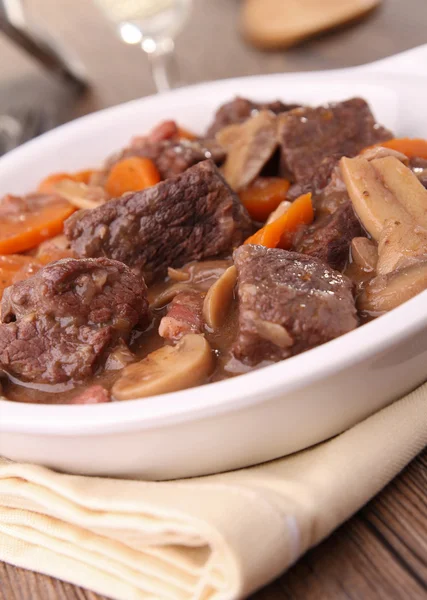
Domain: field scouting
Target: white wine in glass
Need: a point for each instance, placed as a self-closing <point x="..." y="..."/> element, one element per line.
<point x="153" y="24"/>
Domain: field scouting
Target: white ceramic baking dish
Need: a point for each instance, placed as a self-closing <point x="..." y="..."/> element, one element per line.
<point x="264" y="414"/>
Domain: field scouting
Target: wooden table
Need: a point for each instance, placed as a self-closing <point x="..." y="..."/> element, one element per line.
<point x="381" y="553"/>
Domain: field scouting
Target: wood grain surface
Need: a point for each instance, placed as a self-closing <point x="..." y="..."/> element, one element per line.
<point x="381" y="553"/>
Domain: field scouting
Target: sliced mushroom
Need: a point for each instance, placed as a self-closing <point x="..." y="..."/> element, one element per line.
<point x="158" y="299"/>
<point x="195" y="275"/>
<point x="405" y="186"/>
<point x="227" y="136"/>
<point x="392" y="205"/>
<point x="204" y="273"/>
<point x="384" y="190"/>
<point x="168" y="369"/>
<point x="372" y="201"/>
<point x="178" y="274"/>
<point x="385" y="292"/>
<point x="279" y="212"/>
<point x="401" y="244"/>
<point x="219" y="297"/>
<point x="364" y="253"/>
<point x="251" y="149"/>
<point x="80" y="194"/>
<point x="382" y="152"/>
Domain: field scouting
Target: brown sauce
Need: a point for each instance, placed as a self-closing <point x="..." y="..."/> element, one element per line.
<point x="202" y="275"/>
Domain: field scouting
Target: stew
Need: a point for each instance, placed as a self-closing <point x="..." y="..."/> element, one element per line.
<point x="187" y="259"/>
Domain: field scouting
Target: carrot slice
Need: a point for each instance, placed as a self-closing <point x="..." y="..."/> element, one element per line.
<point x="411" y="147"/>
<point x="263" y="196"/>
<point x="280" y="233"/>
<point x="14" y="262"/>
<point x="130" y="175"/>
<point x="25" y="222"/>
<point x="47" y="186"/>
<point x="15" y="267"/>
<point x="83" y="176"/>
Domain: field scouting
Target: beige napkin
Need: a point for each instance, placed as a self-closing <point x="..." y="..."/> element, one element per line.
<point x="211" y="538"/>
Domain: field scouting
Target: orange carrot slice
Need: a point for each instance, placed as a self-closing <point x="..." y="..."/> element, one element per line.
<point x="130" y="175"/>
<point x="25" y="222"/>
<point x="15" y="267"/>
<point x="47" y="186"/>
<point x="263" y="196"/>
<point x="411" y="147"/>
<point x="280" y="233"/>
<point x="83" y="176"/>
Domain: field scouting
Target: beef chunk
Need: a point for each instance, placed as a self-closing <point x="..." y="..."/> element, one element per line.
<point x="416" y="162"/>
<point x="333" y="195"/>
<point x="192" y="216"/>
<point x="313" y="139"/>
<point x="423" y="178"/>
<point x="240" y="109"/>
<point x="419" y="167"/>
<point x="171" y="156"/>
<point x="288" y="303"/>
<point x="336" y="224"/>
<point x="61" y="324"/>
<point x="184" y="316"/>
<point x="329" y="238"/>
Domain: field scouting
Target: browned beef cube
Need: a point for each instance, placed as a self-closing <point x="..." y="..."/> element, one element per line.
<point x="333" y="195"/>
<point x="192" y="216"/>
<point x="336" y="224"/>
<point x="288" y="303"/>
<point x="329" y="238"/>
<point x="240" y="109"/>
<point x="61" y="324"/>
<point x="314" y="139"/>
<point x="171" y="157"/>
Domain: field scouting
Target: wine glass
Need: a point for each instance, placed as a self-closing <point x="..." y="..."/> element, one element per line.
<point x="154" y="25"/>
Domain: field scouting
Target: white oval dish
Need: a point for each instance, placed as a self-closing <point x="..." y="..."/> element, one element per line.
<point x="266" y="413"/>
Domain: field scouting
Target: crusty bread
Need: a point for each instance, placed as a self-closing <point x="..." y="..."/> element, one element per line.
<point x="273" y="24"/>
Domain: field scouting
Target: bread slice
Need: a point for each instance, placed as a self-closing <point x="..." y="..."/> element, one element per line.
<point x="271" y="24"/>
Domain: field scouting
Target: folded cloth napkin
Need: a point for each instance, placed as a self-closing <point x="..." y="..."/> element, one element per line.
<point x="210" y="538"/>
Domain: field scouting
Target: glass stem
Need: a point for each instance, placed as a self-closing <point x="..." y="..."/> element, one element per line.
<point x="164" y="67"/>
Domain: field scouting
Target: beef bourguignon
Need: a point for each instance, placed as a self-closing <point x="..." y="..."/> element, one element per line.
<point x="281" y="228"/>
